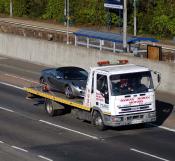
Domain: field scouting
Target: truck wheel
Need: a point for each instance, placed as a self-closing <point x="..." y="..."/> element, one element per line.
<point x="68" y="92"/>
<point x="98" y="121"/>
<point x="50" y="108"/>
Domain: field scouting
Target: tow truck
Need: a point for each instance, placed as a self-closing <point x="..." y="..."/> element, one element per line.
<point x="116" y="94"/>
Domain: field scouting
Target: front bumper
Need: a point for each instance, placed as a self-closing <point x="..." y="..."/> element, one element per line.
<point x="78" y="92"/>
<point x="132" y="119"/>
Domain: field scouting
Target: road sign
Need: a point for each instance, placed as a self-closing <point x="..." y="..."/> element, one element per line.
<point x="115" y="4"/>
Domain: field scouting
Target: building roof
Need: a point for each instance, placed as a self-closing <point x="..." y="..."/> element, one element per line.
<point x="114" y="37"/>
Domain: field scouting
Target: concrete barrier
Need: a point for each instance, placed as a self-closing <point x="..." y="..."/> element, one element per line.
<point x="56" y="54"/>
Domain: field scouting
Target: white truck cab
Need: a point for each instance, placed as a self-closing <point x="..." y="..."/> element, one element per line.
<point x="121" y="94"/>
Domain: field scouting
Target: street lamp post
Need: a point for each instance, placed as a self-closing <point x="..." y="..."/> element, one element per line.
<point x="11" y="8"/>
<point x="68" y="21"/>
<point x="135" y="19"/>
<point x="66" y="15"/>
<point x="125" y="26"/>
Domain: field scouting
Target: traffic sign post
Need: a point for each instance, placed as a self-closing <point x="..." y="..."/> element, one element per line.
<point x="120" y="5"/>
<point x="125" y="26"/>
<point x="114" y="4"/>
<point x="11" y="8"/>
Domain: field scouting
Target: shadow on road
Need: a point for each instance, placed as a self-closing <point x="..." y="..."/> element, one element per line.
<point x="163" y="110"/>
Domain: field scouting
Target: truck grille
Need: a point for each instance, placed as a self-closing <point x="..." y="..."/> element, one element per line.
<point x="134" y="109"/>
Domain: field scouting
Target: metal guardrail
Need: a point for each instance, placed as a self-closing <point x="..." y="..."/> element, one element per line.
<point x="20" y="24"/>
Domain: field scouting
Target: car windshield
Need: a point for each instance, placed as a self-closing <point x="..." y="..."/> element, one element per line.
<point x="131" y="83"/>
<point x="76" y="74"/>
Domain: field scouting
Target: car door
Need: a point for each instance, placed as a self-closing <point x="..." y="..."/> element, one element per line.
<point x="51" y="77"/>
<point x="59" y="80"/>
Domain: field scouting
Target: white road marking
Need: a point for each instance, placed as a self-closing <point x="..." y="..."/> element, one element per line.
<point x="163" y="127"/>
<point x="10" y="85"/>
<point x="21" y="149"/>
<point x="14" y="76"/>
<point x="153" y="156"/>
<point x="166" y="128"/>
<point x="5" y="109"/>
<point x="65" y="128"/>
<point x="40" y="156"/>
<point x="24" y="150"/>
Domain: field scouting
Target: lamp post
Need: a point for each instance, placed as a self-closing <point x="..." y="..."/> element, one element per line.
<point x="66" y="15"/>
<point x="65" y="11"/>
<point x="68" y="21"/>
<point x="125" y="26"/>
<point x="135" y="19"/>
<point x="11" y="8"/>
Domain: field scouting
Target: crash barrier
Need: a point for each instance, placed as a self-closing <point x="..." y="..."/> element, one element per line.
<point x="56" y="54"/>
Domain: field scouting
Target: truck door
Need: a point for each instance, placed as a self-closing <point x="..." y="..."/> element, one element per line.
<point x="102" y="91"/>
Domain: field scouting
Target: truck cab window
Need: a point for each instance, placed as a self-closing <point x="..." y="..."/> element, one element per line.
<point x="102" y="86"/>
<point x="102" y="83"/>
<point x="131" y="83"/>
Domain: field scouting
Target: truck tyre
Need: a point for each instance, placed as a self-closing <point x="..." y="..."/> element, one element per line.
<point x="50" y="108"/>
<point x="68" y="92"/>
<point x="98" y="121"/>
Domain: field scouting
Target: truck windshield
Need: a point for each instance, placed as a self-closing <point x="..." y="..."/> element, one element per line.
<point x="130" y="83"/>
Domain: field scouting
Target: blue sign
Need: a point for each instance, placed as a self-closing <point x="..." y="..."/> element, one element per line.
<point x="115" y="4"/>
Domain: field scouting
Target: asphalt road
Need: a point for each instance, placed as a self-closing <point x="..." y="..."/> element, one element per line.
<point x="27" y="133"/>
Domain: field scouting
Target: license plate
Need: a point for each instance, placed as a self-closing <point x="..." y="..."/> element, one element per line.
<point x="136" y="121"/>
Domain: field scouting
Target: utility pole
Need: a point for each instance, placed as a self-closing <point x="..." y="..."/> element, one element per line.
<point x="135" y="19"/>
<point x="125" y="26"/>
<point x="65" y="12"/>
<point x="66" y="15"/>
<point x="11" y="8"/>
<point x="68" y="21"/>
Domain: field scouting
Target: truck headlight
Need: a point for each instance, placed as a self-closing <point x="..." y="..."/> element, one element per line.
<point x="116" y="119"/>
<point x="152" y="114"/>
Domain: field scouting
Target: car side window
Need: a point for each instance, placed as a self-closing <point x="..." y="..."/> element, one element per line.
<point x="59" y="74"/>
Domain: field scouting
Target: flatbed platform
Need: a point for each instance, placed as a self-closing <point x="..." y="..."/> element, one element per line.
<point x="57" y="97"/>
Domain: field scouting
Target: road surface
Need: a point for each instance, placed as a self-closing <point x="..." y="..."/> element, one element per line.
<point x="27" y="133"/>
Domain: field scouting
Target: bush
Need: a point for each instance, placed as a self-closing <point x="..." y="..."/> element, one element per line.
<point x="4" y="6"/>
<point x="54" y="10"/>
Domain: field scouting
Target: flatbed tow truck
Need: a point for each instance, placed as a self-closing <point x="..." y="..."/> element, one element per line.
<point x="115" y="95"/>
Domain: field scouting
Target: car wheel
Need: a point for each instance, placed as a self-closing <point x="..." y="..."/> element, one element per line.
<point x="98" y="121"/>
<point x="68" y="92"/>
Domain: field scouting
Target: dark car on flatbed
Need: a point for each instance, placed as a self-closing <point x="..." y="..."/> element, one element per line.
<point x="70" y="80"/>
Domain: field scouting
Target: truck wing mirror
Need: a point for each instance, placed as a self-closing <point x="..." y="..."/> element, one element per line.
<point x="158" y="79"/>
<point x="158" y="76"/>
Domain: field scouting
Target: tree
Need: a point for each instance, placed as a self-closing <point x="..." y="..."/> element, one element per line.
<point x="55" y="10"/>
